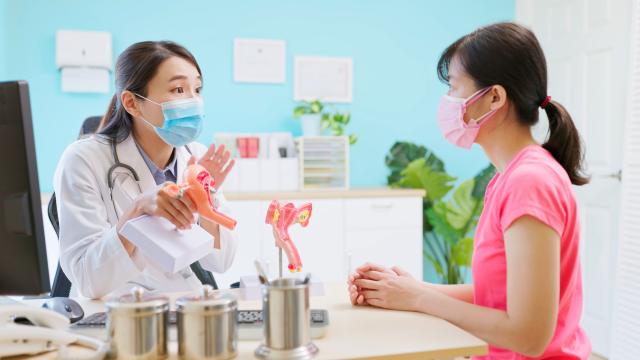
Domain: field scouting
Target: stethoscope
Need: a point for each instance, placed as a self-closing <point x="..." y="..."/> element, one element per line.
<point x="117" y="164"/>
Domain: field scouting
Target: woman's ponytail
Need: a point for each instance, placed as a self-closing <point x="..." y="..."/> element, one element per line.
<point x="564" y="142"/>
<point x="109" y="114"/>
<point x="521" y="69"/>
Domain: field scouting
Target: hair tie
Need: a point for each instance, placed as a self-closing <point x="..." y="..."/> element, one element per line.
<point x="545" y="102"/>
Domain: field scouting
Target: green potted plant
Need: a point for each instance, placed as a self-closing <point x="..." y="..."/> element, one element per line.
<point x="310" y="115"/>
<point x="449" y="222"/>
<point x="315" y="121"/>
<point x="336" y="122"/>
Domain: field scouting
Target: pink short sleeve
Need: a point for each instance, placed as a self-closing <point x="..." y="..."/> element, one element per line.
<point x="535" y="191"/>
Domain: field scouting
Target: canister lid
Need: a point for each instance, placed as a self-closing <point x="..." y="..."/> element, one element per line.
<point x="207" y="300"/>
<point x="138" y="301"/>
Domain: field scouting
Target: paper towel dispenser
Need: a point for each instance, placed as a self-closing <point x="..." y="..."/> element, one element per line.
<point x="85" y="60"/>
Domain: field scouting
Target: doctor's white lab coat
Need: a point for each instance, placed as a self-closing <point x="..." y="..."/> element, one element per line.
<point x="91" y="253"/>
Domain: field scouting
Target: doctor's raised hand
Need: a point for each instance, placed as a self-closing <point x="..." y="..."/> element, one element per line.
<point x="217" y="162"/>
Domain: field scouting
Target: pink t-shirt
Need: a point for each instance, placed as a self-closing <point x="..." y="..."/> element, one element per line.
<point x="533" y="184"/>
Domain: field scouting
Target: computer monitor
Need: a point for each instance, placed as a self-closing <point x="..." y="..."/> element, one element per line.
<point x="23" y="255"/>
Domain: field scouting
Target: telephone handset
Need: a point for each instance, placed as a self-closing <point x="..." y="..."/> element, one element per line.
<point x="48" y="332"/>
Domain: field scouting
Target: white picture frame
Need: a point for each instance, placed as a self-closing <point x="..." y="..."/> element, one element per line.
<point x="259" y="61"/>
<point x="329" y="79"/>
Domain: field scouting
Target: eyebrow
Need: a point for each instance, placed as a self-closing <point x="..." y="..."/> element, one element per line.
<point x="182" y="77"/>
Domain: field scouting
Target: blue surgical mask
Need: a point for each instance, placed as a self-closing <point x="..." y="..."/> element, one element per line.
<point x="182" y="120"/>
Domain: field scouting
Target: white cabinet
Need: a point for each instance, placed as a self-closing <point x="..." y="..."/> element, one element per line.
<point x="347" y="228"/>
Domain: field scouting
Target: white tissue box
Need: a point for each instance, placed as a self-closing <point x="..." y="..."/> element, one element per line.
<point x="164" y="245"/>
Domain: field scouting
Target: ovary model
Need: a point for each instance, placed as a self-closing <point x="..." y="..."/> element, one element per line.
<point x="280" y="218"/>
<point x="198" y="185"/>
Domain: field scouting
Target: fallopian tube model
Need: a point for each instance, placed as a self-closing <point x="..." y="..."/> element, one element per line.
<point x="199" y="185"/>
<point x="280" y="218"/>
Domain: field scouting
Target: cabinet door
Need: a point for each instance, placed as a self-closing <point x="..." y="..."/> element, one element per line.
<point x="389" y="247"/>
<point x="320" y="244"/>
<point x="250" y="217"/>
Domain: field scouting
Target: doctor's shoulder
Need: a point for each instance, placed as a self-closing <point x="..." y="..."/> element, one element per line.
<point x="89" y="153"/>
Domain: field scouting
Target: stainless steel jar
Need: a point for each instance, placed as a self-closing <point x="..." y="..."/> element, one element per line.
<point x="287" y="321"/>
<point x="137" y="326"/>
<point x="207" y="325"/>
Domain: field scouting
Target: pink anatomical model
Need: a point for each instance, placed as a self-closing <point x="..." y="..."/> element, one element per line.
<point x="280" y="218"/>
<point x="198" y="185"/>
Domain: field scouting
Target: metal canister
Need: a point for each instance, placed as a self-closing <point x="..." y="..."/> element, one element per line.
<point x="207" y="325"/>
<point x="287" y="321"/>
<point x="137" y="326"/>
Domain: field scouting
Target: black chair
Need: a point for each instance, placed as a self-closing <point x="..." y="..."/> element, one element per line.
<point x="61" y="284"/>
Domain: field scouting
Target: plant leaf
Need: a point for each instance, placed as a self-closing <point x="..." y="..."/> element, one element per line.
<point x="438" y="218"/>
<point x="402" y="153"/>
<point x="352" y="139"/>
<point x="461" y="207"/>
<point x="299" y="111"/>
<point x="462" y="252"/>
<point x="419" y="175"/>
<point x="482" y="179"/>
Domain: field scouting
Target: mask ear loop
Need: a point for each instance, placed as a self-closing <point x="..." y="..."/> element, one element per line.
<point x="475" y="97"/>
<point x="143" y="119"/>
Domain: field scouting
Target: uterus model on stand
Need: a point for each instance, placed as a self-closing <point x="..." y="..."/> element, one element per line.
<point x="199" y="186"/>
<point x="281" y="217"/>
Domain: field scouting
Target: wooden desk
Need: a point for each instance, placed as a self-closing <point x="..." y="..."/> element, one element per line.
<point x="360" y="332"/>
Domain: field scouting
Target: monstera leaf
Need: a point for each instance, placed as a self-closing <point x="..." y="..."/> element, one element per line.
<point x="418" y="175"/>
<point x="437" y="216"/>
<point x="462" y="251"/>
<point x="481" y="180"/>
<point x="402" y="153"/>
<point x="461" y="208"/>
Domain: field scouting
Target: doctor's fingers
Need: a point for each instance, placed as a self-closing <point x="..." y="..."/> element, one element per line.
<point x="186" y="200"/>
<point x="169" y="216"/>
<point x="166" y="204"/>
<point x="166" y="196"/>
<point x="178" y="209"/>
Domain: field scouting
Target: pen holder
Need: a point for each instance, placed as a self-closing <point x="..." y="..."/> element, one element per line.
<point x="286" y="313"/>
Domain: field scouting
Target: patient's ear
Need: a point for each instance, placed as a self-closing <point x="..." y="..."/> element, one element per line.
<point x="498" y="97"/>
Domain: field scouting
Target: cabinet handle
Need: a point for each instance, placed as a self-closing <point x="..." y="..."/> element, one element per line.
<point x="381" y="207"/>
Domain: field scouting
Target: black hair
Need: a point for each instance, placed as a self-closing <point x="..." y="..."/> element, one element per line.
<point x="510" y="55"/>
<point x="136" y="66"/>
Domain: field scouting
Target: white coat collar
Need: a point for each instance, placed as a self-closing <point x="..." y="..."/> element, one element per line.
<point x="129" y="154"/>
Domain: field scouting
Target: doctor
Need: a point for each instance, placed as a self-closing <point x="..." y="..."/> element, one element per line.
<point x="145" y="141"/>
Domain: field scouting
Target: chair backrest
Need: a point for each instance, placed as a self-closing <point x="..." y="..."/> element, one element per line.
<point x="61" y="285"/>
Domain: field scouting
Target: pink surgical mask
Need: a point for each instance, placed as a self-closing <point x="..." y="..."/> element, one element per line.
<point x="451" y="119"/>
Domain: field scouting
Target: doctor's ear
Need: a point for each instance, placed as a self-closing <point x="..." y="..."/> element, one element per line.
<point x="498" y="96"/>
<point x="130" y="103"/>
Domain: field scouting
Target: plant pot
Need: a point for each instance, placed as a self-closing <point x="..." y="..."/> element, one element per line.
<point x="311" y="124"/>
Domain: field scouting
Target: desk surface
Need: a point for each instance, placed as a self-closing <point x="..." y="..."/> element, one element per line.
<point x="361" y="332"/>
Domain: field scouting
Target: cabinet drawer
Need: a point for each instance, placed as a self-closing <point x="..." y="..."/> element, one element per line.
<point x="383" y="213"/>
<point x="389" y="248"/>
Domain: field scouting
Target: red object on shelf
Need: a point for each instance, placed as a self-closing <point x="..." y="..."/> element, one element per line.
<point x="248" y="147"/>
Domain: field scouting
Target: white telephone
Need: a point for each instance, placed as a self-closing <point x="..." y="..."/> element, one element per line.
<point x="48" y="333"/>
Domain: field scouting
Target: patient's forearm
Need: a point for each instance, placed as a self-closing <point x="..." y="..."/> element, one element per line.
<point x="462" y="292"/>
